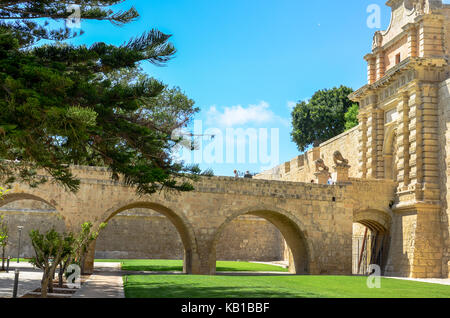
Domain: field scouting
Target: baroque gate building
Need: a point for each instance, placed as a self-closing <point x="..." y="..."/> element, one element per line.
<point x="404" y="128"/>
<point x="403" y="135"/>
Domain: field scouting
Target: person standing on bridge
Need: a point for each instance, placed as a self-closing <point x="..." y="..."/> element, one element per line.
<point x="330" y="180"/>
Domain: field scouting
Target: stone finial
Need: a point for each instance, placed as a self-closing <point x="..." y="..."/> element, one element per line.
<point x="377" y="40"/>
<point x="339" y="160"/>
<point x="322" y="171"/>
<point x="320" y="165"/>
<point x="341" y="167"/>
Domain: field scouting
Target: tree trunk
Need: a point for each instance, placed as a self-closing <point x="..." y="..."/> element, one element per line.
<point x="52" y="276"/>
<point x="60" y="276"/>
<point x="44" y="284"/>
<point x="82" y="259"/>
<point x="55" y="263"/>
<point x="3" y="258"/>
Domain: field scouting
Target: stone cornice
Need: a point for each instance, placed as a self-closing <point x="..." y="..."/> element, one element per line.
<point x="369" y="56"/>
<point x="406" y="64"/>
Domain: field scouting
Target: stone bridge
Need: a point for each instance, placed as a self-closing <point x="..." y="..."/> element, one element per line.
<point x="315" y="220"/>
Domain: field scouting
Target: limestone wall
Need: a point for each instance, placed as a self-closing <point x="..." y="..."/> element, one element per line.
<point x="347" y="144"/>
<point x="32" y="215"/>
<point x="302" y="168"/>
<point x="146" y="235"/>
<point x="250" y="238"/>
<point x="444" y="107"/>
<point x="400" y="47"/>
<point x="401" y="249"/>
<point x="446" y="12"/>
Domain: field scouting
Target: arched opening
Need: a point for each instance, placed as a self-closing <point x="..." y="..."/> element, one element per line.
<point x="390" y="153"/>
<point x="251" y="238"/>
<point x="289" y="228"/>
<point x="371" y="241"/>
<point x="145" y="230"/>
<point x="23" y="213"/>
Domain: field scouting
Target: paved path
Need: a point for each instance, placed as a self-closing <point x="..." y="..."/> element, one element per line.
<point x="284" y="264"/>
<point x="105" y="282"/>
<point x="29" y="279"/>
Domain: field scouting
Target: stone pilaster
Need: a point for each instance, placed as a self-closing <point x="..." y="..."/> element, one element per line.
<point x="375" y="139"/>
<point x="371" y="146"/>
<point x="411" y="31"/>
<point x="403" y="142"/>
<point x="430" y="139"/>
<point x="380" y="65"/>
<point x="428" y="248"/>
<point x="371" y="68"/>
<point x="362" y="145"/>
<point x="379" y="144"/>
<point x="416" y="141"/>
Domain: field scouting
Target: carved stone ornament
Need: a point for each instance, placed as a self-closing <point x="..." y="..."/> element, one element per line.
<point x="320" y="165"/>
<point x="339" y="160"/>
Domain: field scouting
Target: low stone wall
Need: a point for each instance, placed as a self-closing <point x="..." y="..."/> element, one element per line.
<point x="302" y="168"/>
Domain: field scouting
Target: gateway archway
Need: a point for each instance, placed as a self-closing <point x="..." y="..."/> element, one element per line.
<point x="181" y="225"/>
<point x="289" y="227"/>
<point x="371" y="240"/>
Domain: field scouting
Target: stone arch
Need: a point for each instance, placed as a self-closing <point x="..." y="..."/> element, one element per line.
<point x="375" y="220"/>
<point x="289" y="226"/>
<point x="10" y="197"/>
<point x="182" y="225"/>
<point x="376" y="240"/>
<point x="29" y="216"/>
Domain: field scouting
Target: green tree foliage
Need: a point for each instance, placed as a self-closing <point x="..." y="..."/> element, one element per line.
<point x="63" y="104"/>
<point x="320" y="118"/>
<point x="30" y="20"/>
<point x="3" y="192"/>
<point x="49" y="248"/>
<point x="66" y="257"/>
<point x="351" y="117"/>
<point x="53" y="249"/>
<point x="76" y="248"/>
<point x="83" y="241"/>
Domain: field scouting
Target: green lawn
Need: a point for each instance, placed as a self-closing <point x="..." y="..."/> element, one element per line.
<point x="192" y="286"/>
<point x="14" y="260"/>
<point x="177" y="265"/>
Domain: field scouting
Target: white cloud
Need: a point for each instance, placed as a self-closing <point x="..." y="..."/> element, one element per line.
<point x="239" y="116"/>
<point x="291" y="105"/>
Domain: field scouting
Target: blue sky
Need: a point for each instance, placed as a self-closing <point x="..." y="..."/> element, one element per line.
<point x="245" y="62"/>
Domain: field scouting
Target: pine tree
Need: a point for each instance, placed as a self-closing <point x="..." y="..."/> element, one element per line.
<point x="62" y="105"/>
<point x="30" y="20"/>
